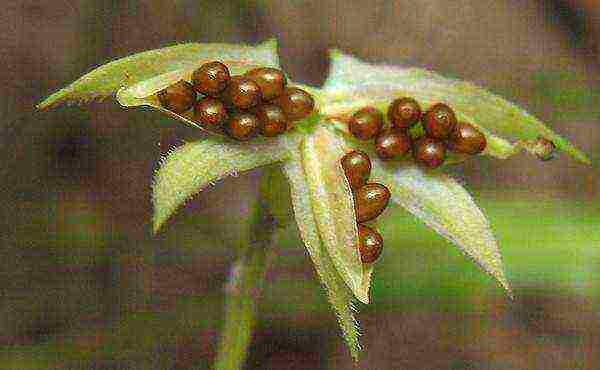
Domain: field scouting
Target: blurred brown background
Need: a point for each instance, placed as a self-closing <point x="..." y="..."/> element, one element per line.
<point x="84" y="285"/>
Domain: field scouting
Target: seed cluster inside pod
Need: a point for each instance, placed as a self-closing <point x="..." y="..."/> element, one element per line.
<point x="370" y="200"/>
<point x="395" y="139"/>
<point x="258" y="102"/>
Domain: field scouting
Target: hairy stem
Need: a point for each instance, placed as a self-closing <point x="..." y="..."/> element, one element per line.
<point x="243" y="291"/>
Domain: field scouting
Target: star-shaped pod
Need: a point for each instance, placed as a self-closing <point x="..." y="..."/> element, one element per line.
<point x="326" y="206"/>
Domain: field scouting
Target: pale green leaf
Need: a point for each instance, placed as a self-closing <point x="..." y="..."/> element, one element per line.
<point x="338" y="293"/>
<point x="194" y="166"/>
<point x="446" y="207"/>
<point x="333" y="205"/>
<point x="353" y="84"/>
<point x="275" y="192"/>
<point x="105" y="80"/>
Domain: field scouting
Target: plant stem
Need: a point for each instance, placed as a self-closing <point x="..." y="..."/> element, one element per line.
<point x="243" y="291"/>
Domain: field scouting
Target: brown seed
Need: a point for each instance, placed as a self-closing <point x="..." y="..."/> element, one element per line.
<point x="392" y="144"/>
<point x="404" y="113"/>
<point x="210" y="112"/>
<point x="357" y="167"/>
<point x="211" y="78"/>
<point x="271" y="81"/>
<point x="243" y="126"/>
<point x="429" y="152"/>
<point x="370" y="201"/>
<point x="296" y="103"/>
<point x="465" y="138"/>
<point x="439" y="120"/>
<point x="366" y="123"/>
<point x="272" y="120"/>
<point x="179" y="97"/>
<point x="242" y="93"/>
<point x="370" y="244"/>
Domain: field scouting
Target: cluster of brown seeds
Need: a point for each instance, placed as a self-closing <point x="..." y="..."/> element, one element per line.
<point x="243" y="105"/>
<point x="370" y="200"/>
<point x="441" y="131"/>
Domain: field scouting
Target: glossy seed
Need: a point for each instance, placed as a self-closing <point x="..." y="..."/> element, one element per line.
<point x="210" y="112"/>
<point x="271" y="81"/>
<point x="211" y="78"/>
<point x="429" y="152"/>
<point x="357" y="167"/>
<point x="370" y="201"/>
<point x="439" y="121"/>
<point x="272" y="120"/>
<point x="243" y="126"/>
<point x="466" y="138"/>
<point x="296" y="103"/>
<point x="242" y="93"/>
<point x="179" y="97"/>
<point x="404" y="113"/>
<point x="366" y="123"/>
<point x="370" y="244"/>
<point x="392" y="144"/>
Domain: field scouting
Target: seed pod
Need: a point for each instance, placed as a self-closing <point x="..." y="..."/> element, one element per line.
<point x="392" y="144"/>
<point x="271" y="81"/>
<point x="242" y="93"/>
<point x="179" y="97"/>
<point x="210" y="112"/>
<point x="211" y="78"/>
<point x="404" y="113"/>
<point x="370" y="244"/>
<point x="439" y="121"/>
<point x="366" y="123"/>
<point x="243" y="126"/>
<point x="296" y="103"/>
<point x="272" y="120"/>
<point x="466" y="138"/>
<point x="357" y="166"/>
<point x="429" y="152"/>
<point x="370" y="201"/>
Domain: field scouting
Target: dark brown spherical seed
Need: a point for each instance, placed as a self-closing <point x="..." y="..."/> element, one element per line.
<point x="404" y="113"/>
<point x="466" y="138"/>
<point x="179" y="97"/>
<point x="271" y="81"/>
<point x="429" y="152"/>
<point x="242" y="93"/>
<point x="357" y="167"/>
<point x="439" y="121"/>
<point x="243" y="126"/>
<point x="370" y="244"/>
<point x="211" y="78"/>
<point x="392" y="144"/>
<point x="273" y="121"/>
<point x="370" y="201"/>
<point x="366" y="123"/>
<point x="296" y="103"/>
<point x="211" y="112"/>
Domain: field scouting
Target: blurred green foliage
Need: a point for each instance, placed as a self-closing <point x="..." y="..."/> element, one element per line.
<point x="547" y="243"/>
